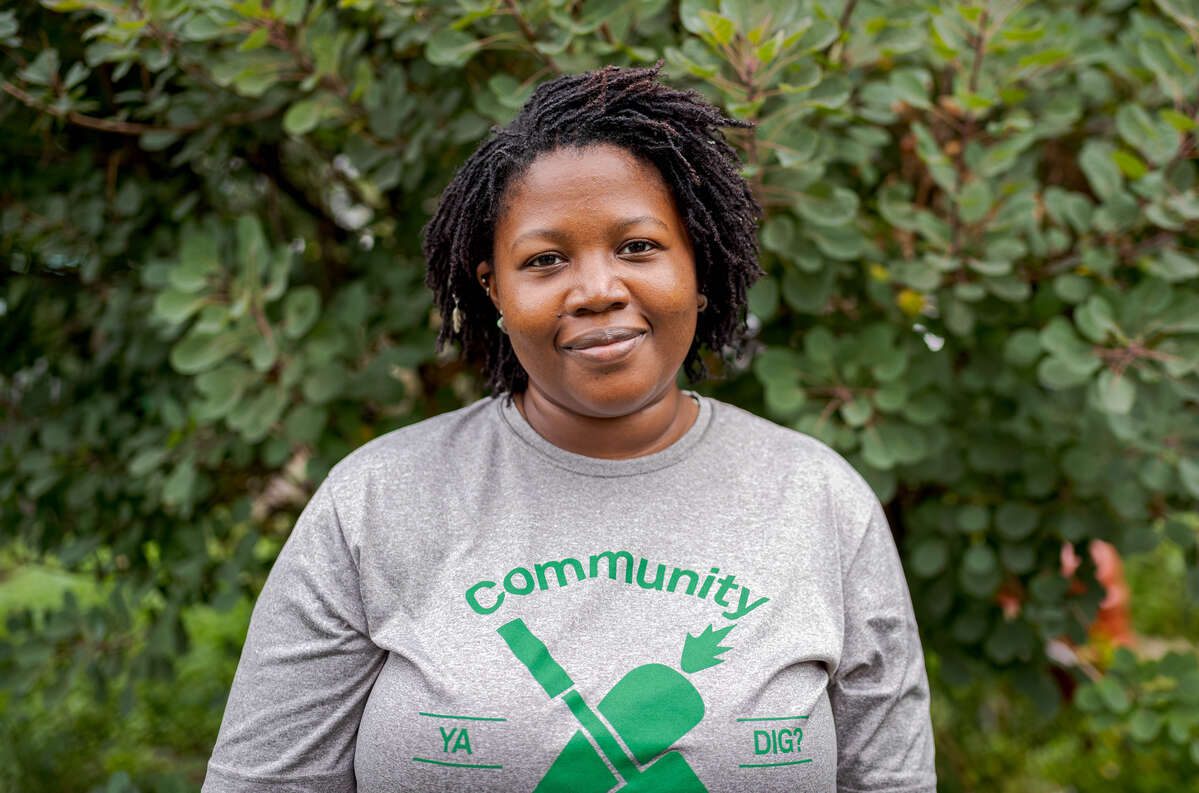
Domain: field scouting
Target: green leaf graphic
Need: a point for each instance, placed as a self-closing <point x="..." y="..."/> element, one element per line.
<point x="699" y="652"/>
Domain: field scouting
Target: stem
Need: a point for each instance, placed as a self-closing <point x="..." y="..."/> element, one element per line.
<point x="980" y="41"/>
<point x="530" y="35"/>
<point x="843" y="28"/>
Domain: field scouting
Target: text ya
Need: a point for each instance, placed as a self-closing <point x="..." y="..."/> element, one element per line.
<point x="461" y="742"/>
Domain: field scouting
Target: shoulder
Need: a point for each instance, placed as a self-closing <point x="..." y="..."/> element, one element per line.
<point x="424" y="443"/>
<point x="772" y="451"/>
<point x="749" y="435"/>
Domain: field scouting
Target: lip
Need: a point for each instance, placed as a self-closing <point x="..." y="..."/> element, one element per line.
<point x="601" y="337"/>
<point x="605" y="344"/>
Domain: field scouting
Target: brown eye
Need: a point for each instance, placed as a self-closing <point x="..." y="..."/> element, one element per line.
<point x="543" y="260"/>
<point x="638" y="246"/>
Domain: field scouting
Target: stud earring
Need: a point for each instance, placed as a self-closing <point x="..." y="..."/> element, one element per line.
<point x="703" y="302"/>
<point x="499" y="323"/>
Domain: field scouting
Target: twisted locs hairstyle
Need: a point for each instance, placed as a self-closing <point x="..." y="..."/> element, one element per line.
<point x="675" y="131"/>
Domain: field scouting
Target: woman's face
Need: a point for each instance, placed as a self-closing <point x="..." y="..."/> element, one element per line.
<point x="594" y="273"/>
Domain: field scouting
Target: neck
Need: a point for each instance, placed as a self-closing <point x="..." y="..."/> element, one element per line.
<point x="645" y="431"/>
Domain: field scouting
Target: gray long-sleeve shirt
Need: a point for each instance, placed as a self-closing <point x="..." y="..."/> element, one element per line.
<point x="464" y="606"/>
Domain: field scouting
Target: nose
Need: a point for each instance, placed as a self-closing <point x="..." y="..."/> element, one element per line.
<point x="598" y="285"/>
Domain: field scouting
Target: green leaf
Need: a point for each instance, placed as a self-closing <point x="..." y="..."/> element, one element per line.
<point x="301" y="308"/>
<point x="1101" y="170"/>
<point x="147" y="460"/>
<point x="43" y="70"/>
<point x="196" y="352"/>
<point x="807" y="292"/>
<point x="1072" y="288"/>
<point x="157" y="140"/>
<point x="1174" y="266"/>
<point x="222" y="388"/>
<point x="199" y="258"/>
<point x="175" y="306"/>
<point x="1188" y="472"/>
<point x="701" y="650"/>
<point x="305" y="423"/>
<point x="255" y="418"/>
<point x="1130" y="164"/>
<point x="8" y="24"/>
<point x="856" y="412"/>
<point x="819" y="344"/>
<point x="875" y="451"/>
<point x="979" y="560"/>
<point x="1116" y="394"/>
<point x="179" y="486"/>
<point x="831" y="93"/>
<point x="779" y="235"/>
<point x="777" y="365"/>
<point x="1056" y="375"/>
<point x="302" y="117"/>
<point x="911" y="86"/>
<point x="1023" y="347"/>
<point x="972" y="518"/>
<point x="1113" y="695"/>
<point x="1059" y="339"/>
<point x="822" y="33"/>
<point x="325" y="383"/>
<point x="827" y="205"/>
<point x="784" y="399"/>
<point x="763" y="298"/>
<point x="1019" y="559"/>
<point x="770" y="50"/>
<point x="1144" y="725"/>
<point x="1179" y="121"/>
<point x="800" y="77"/>
<point x="974" y="201"/>
<point x="1095" y="319"/>
<point x="929" y="558"/>
<point x="1154" y="138"/>
<point x="722" y="28"/>
<point x="255" y="40"/>
<point x="1016" y="520"/>
<point x="451" y="48"/>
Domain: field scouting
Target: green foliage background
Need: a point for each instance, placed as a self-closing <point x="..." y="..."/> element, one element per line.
<point x="983" y="289"/>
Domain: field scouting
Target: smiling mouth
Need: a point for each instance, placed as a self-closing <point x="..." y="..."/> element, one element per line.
<point x="606" y="345"/>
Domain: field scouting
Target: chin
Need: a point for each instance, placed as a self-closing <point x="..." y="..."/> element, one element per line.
<point x="615" y="397"/>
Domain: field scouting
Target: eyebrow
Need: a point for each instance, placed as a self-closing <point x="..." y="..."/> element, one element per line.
<point x="560" y="237"/>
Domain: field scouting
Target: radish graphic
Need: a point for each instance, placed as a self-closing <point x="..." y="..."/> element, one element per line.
<point x="649" y="708"/>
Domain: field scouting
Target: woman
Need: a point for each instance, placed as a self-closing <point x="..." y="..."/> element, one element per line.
<point x="595" y="581"/>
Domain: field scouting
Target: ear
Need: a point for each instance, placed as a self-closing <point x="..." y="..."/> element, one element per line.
<point x="486" y="278"/>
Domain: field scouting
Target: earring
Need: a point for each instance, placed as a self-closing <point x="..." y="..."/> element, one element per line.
<point x="456" y="317"/>
<point x="703" y="302"/>
<point x="499" y="323"/>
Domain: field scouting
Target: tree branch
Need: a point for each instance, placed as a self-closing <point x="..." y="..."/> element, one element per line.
<point x="530" y="35"/>
<point x="843" y="28"/>
<point x="126" y="127"/>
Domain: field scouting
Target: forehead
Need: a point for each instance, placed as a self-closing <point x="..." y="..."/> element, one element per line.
<point x="581" y="184"/>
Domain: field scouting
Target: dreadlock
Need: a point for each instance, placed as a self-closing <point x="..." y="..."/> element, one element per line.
<point x="676" y="131"/>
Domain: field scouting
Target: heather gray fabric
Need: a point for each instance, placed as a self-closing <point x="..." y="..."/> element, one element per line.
<point x="463" y="606"/>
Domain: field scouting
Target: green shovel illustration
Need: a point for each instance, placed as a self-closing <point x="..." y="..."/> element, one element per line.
<point x="650" y="708"/>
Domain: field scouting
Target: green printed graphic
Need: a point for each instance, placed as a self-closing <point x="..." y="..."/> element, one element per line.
<point x="773" y="744"/>
<point x="649" y="708"/>
<point x="699" y="652"/>
<point x="533" y="653"/>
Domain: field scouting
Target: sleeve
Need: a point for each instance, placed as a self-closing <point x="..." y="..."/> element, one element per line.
<point x="306" y="669"/>
<point x="879" y="692"/>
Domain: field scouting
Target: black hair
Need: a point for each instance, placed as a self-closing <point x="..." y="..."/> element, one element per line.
<point x="676" y="131"/>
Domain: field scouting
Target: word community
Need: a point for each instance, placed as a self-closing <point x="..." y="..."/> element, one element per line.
<point x="485" y="597"/>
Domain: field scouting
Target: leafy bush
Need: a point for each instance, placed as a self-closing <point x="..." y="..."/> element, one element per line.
<point x="980" y="239"/>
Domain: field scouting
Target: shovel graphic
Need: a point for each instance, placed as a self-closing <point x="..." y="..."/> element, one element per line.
<point x="650" y="708"/>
